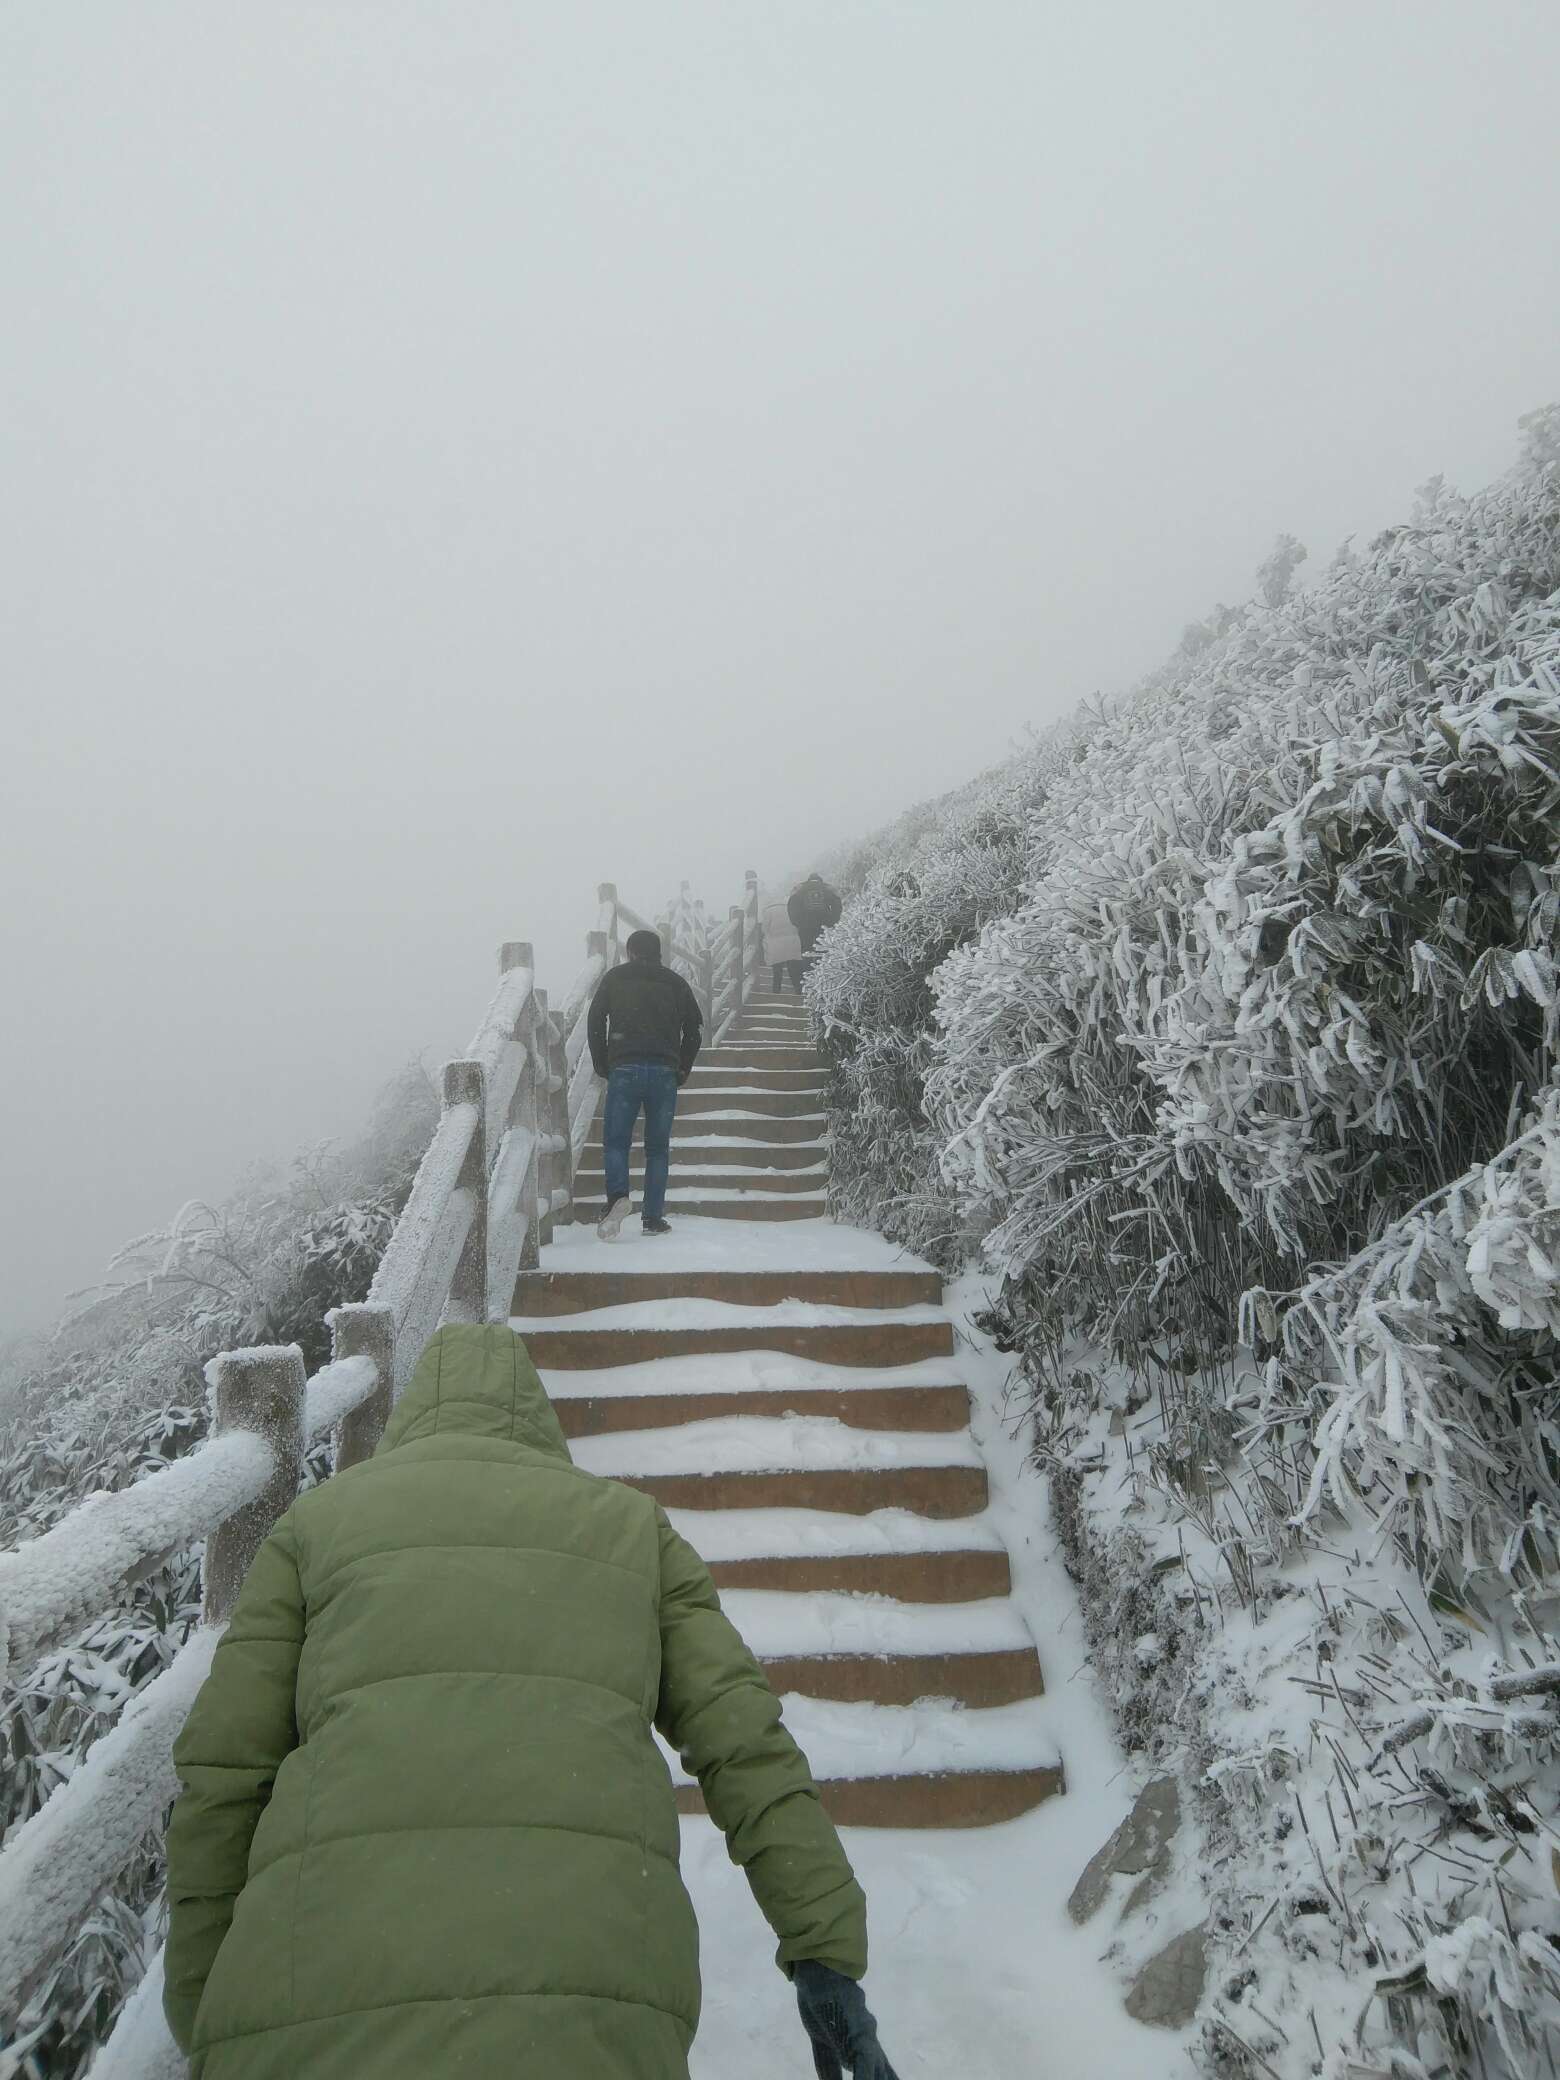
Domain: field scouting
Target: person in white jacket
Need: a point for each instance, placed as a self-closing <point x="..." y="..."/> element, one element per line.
<point x="782" y="948"/>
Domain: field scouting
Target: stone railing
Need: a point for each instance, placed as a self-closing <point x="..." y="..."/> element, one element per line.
<point x="497" y="1176"/>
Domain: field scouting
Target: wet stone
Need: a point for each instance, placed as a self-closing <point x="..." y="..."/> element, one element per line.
<point x="1168" y="1988"/>
<point x="1140" y="1847"/>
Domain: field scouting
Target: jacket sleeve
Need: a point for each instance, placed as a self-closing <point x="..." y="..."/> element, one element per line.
<point x="832" y="909"/>
<point x="795" y="909"/>
<point x="596" y="1027"/>
<point x="692" y="1032"/>
<point x="241" y="1728"/>
<point x="717" y="1711"/>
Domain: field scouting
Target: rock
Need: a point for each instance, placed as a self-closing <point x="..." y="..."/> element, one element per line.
<point x="1139" y="1847"/>
<point x="1168" y="1988"/>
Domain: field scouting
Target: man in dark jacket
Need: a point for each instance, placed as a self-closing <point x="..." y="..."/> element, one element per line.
<point x="644" y="1031"/>
<point x="424" y="1831"/>
<point x="812" y="909"/>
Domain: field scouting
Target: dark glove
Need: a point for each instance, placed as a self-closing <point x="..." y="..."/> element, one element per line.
<point x="835" y="2017"/>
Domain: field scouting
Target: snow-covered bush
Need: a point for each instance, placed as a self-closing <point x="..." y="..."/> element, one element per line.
<point x="114" y="1394"/>
<point x="916" y="894"/>
<point x="1241" y="1076"/>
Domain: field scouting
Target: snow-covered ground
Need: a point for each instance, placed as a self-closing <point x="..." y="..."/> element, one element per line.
<point x="714" y="1245"/>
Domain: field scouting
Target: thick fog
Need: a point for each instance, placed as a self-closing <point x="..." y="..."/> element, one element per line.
<point x="454" y="454"/>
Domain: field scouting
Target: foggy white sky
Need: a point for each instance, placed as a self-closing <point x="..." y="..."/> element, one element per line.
<point x="450" y="454"/>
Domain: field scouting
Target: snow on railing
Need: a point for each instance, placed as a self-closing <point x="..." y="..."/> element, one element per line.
<point x="497" y="1175"/>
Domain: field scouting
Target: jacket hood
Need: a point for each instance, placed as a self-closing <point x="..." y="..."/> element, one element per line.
<point x="476" y="1380"/>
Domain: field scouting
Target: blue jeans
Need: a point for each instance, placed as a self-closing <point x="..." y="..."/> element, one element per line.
<point x="630" y="1085"/>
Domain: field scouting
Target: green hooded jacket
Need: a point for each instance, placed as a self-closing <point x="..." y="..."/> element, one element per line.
<point x="424" y="1827"/>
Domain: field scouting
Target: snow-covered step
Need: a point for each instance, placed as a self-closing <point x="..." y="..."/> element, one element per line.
<point x="945" y="1407"/>
<point x="607" y="1283"/>
<point x="721" y="1151"/>
<point x="873" y="1649"/>
<point x="780" y="1627"/>
<point x="727" y="1125"/>
<point x="801" y="1462"/>
<point x="700" y="1246"/>
<point x="891" y="1552"/>
<point x="629" y="1335"/>
<point x="749" y="1098"/>
<point x="711" y="1076"/>
<point x="763" y="1444"/>
<point x="761" y="1055"/>
<point x="728" y="1537"/>
<point x="724" y="1205"/>
<point x="921" y="1765"/>
<point x="691" y="1175"/>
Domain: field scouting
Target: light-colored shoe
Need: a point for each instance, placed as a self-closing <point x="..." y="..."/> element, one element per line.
<point x="610" y="1226"/>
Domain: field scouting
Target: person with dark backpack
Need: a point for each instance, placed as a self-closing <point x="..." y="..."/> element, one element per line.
<point x="644" y="1031"/>
<point x="812" y="909"/>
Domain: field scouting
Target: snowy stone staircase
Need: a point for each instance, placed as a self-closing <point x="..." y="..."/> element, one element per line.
<point x="791" y="1396"/>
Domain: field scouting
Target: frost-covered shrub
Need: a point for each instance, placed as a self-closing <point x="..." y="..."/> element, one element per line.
<point x="1269" y="1009"/>
<point x="954" y="867"/>
<point x="114" y="1395"/>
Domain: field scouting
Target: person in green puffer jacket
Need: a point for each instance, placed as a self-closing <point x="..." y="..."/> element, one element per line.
<point x="424" y="1828"/>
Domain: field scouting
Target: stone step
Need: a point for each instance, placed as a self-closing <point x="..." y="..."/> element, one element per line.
<point x="728" y="1206"/>
<point x="859" y="1651"/>
<point x="953" y="1798"/>
<point x="707" y="1151"/>
<point x="979" y="1680"/>
<point x="957" y="1576"/>
<point x="685" y="1177"/>
<point x="945" y="1408"/>
<point x="715" y="1078"/>
<point x="943" y="1766"/>
<point x="911" y="1558"/>
<point x="931" y="1491"/>
<point x="579" y="1292"/>
<point x="768" y="1032"/>
<point x="751" y="1055"/>
<point x="748" y="1100"/>
<point x="605" y="1338"/>
<point x="732" y="1125"/>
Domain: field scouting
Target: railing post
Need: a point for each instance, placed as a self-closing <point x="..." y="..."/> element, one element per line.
<point x="364" y="1329"/>
<point x="558" y="1113"/>
<point x="465" y="1084"/>
<point x="528" y="1113"/>
<point x="606" y="892"/>
<point x="739" y="948"/>
<point x="259" y="1390"/>
<point x="541" y="1073"/>
<point x="752" y="932"/>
